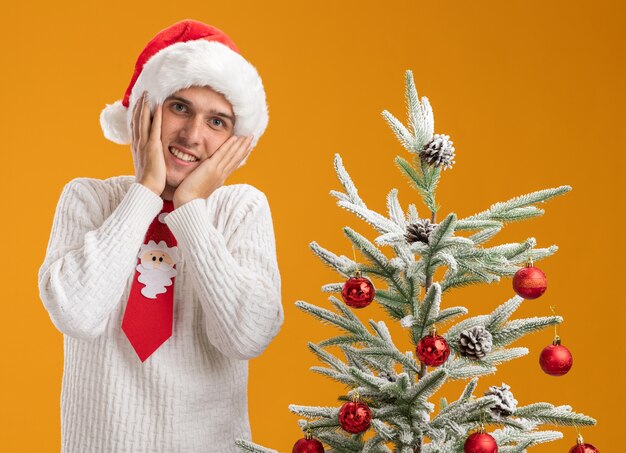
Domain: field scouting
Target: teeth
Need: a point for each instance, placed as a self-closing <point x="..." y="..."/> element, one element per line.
<point x="182" y="156"/>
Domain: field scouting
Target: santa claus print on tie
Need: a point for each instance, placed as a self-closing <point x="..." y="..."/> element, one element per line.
<point x="156" y="268"/>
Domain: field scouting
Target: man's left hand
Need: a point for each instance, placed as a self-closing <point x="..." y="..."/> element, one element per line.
<point x="212" y="172"/>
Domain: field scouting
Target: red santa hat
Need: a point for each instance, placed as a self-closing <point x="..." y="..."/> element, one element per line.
<point x="190" y="53"/>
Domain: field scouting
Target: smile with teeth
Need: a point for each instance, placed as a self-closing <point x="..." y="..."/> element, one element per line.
<point x="181" y="155"/>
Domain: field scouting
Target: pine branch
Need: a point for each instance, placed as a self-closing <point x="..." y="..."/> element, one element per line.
<point x="400" y="131"/>
<point x="461" y="281"/>
<point x="428" y="385"/>
<point x="420" y="118"/>
<point x="348" y="314"/>
<point x="476" y="268"/>
<point x="332" y="288"/>
<point x="520" y="207"/>
<point x="328" y="358"/>
<point x="379" y="364"/>
<point x="246" y="445"/>
<point x="508" y="436"/>
<point x="438" y="241"/>
<point x="320" y="426"/>
<point x="453" y="333"/>
<point x="374" y="445"/>
<point x="396" y="214"/>
<point x="500" y="315"/>
<point x="412" y="215"/>
<point x="500" y="356"/>
<point x="341" y="264"/>
<point x="420" y="115"/>
<point x="519" y="327"/>
<point x="484" y="235"/>
<point x="431" y="175"/>
<point x="420" y="182"/>
<point x="314" y="411"/>
<point x="517" y="214"/>
<point x="344" y="178"/>
<point x="357" y="360"/>
<point x="519" y="448"/>
<point x="382" y="331"/>
<point x="469" y="225"/>
<point x="396" y="305"/>
<point x="560" y="415"/>
<point x="444" y="231"/>
<point x="464" y="411"/>
<point x="469" y="390"/>
<point x="385" y="431"/>
<point x="448" y="314"/>
<point x="336" y="341"/>
<point x="328" y="317"/>
<point x="429" y="311"/>
<point x="382" y="224"/>
<point x="334" y="375"/>
<point x="377" y="259"/>
<point x="396" y="355"/>
<point x="370" y="251"/>
<point x="461" y="370"/>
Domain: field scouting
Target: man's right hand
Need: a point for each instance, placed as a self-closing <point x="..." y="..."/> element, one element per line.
<point x="147" y="147"/>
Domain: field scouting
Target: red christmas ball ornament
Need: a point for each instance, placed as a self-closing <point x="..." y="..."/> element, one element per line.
<point x="582" y="447"/>
<point x="530" y="282"/>
<point x="480" y="442"/>
<point x="355" y="417"/>
<point x="308" y="445"/>
<point x="556" y="359"/>
<point x="358" y="292"/>
<point x="432" y="350"/>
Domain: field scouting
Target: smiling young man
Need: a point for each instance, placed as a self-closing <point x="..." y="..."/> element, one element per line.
<point x="165" y="283"/>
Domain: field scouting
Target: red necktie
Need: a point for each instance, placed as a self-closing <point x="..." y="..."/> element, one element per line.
<point x="150" y="310"/>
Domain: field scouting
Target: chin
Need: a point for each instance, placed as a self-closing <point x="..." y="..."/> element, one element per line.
<point x="173" y="181"/>
<point x="176" y="175"/>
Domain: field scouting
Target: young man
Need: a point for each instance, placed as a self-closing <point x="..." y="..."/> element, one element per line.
<point x="165" y="283"/>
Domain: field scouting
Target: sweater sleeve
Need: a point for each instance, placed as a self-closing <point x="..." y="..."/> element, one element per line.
<point x="237" y="277"/>
<point x="90" y="258"/>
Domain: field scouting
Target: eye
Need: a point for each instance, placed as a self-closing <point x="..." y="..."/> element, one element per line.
<point x="161" y="259"/>
<point x="217" y="122"/>
<point x="178" y="107"/>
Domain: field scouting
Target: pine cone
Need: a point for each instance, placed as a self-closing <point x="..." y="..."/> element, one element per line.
<point x="507" y="403"/>
<point x="439" y="152"/>
<point x="475" y="343"/>
<point x="419" y="231"/>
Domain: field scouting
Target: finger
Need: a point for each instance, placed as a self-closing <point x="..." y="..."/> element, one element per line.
<point x="135" y="121"/>
<point x="155" y="130"/>
<point x="235" y="158"/>
<point x="238" y="162"/>
<point x="144" y="122"/>
<point x="229" y="151"/>
<point x="221" y="152"/>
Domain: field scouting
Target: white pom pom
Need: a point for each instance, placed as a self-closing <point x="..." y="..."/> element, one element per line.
<point x="115" y="124"/>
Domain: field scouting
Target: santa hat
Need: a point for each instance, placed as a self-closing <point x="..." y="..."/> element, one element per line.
<point x="190" y="53"/>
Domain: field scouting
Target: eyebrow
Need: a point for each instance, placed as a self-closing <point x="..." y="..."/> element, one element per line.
<point x="212" y="111"/>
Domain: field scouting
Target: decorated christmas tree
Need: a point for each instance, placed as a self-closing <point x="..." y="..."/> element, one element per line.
<point x="389" y="407"/>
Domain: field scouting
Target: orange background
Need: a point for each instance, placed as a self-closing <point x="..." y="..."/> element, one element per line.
<point x="531" y="93"/>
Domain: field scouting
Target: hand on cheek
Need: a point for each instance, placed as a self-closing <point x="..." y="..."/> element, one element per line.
<point x="147" y="147"/>
<point x="213" y="172"/>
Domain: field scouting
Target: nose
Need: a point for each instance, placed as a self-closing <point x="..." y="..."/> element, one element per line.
<point x="192" y="130"/>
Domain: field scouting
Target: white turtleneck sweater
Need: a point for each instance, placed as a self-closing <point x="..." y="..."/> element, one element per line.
<point x="190" y="395"/>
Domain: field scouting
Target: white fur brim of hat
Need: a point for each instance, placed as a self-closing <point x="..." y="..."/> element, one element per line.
<point x="194" y="63"/>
